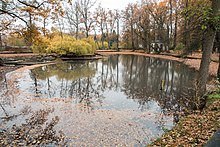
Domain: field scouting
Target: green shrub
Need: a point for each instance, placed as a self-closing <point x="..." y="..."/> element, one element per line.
<point x="195" y="45"/>
<point x="180" y="46"/>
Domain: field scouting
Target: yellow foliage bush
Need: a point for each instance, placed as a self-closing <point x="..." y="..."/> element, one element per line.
<point x="90" y="41"/>
<point x="40" y="45"/>
<point x="105" y="45"/>
<point x="64" y="45"/>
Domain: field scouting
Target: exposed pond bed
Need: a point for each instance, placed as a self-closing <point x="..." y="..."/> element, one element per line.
<point x="121" y="100"/>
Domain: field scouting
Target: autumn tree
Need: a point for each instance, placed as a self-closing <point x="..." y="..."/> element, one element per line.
<point x="143" y="23"/>
<point x="29" y="12"/>
<point x="211" y="24"/>
<point x="117" y="17"/>
<point x="44" y="18"/>
<point x="159" y="13"/>
<point x="128" y="16"/>
<point x="192" y="19"/>
<point x="173" y="9"/>
<point x="176" y="7"/>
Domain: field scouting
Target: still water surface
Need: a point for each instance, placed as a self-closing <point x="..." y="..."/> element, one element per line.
<point x="121" y="100"/>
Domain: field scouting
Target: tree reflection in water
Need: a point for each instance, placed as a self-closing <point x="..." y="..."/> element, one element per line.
<point x="73" y="80"/>
<point x="138" y="93"/>
<point x="139" y="78"/>
<point x="143" y="83"/>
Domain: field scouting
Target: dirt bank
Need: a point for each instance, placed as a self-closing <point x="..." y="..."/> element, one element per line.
<point x="15" y="61"/>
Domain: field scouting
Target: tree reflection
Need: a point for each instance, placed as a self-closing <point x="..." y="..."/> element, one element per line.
<point x="143" y="78"/>
<point x="67" y="80"/>
<point x="138" y="77"/>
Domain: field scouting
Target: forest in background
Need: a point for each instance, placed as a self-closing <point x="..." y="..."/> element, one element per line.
<point x="150" y="25"/>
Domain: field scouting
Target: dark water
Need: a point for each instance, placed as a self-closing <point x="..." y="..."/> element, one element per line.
<point x="136" y="92"/>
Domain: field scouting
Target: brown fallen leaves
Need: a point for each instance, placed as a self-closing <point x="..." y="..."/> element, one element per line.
<point x="37" y="131"/>
<point x="193" y="130"/>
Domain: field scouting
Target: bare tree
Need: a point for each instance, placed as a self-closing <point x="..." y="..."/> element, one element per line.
<point x="87" y="18"/>
<point x="117" y="16"/>
<point x="113" y="23"/>
<point x="73" y="16"/>
<point x="101" y="21"/>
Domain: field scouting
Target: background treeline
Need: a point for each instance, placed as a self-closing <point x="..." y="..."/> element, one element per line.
<point x="54" y="26"/>
<point x="151" y="25"/>
<point x="168" y="24"/>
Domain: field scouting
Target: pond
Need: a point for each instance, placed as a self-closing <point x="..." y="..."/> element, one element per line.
<point x="120" y="100"/>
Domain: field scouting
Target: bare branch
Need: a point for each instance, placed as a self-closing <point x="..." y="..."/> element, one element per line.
<point x="30" y="5"/>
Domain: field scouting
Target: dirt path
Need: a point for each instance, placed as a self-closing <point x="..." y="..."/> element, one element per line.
<point x="192" y="63"/>
<point x="17" y="55"/>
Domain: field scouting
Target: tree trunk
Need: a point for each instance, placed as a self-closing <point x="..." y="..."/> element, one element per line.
<point x="1" y="44"/>
<point x="207" y="51"/>
<point x="118" y="35"/>
<point x="175" y="30"/>
<point x="87" y="33"/>
<point x="218" y="46"/>
<point x="171" y="19"/>
<point x="132" y="37"/>
<point x="44" y="27"/>
<point x="206" y="59"/>
<point x="102" y="38"/>
<point x="170" y="33"/>
<point x="168" y="38"/>
<point x="77" y="32"/>
<point x="218" y="74"/>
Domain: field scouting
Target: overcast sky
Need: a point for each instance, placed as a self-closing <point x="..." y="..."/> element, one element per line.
<point x="115" y="4"/>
